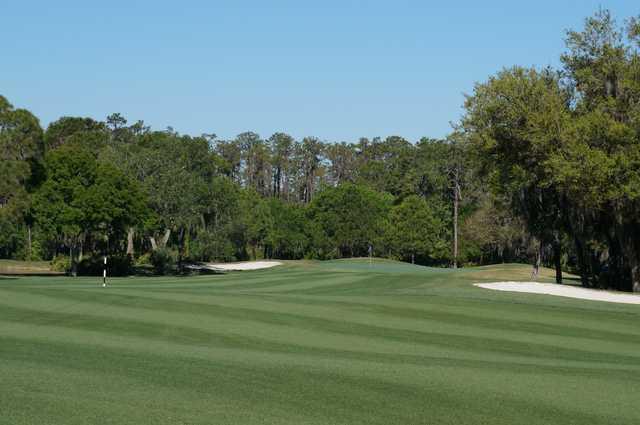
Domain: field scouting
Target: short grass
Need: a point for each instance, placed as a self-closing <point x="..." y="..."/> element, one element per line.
<point x="341" y="342"/>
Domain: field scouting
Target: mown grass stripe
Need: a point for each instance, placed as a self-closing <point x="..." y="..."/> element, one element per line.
<point x="313" y="343"/>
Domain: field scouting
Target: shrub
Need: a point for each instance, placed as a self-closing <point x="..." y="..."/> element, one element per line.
<point x="211" y="245"/>
<point x="61" y="263"/>
<point x="117" y="265"/>
<point x="163" y="260"/>
<point x="143" y="260"/>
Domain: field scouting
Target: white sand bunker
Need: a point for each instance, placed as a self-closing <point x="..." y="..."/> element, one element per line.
<point x="240" y="266"/>
<point x="563" y="291"/>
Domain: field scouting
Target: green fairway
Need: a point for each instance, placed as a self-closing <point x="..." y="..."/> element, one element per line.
<point x="340" y="342"/>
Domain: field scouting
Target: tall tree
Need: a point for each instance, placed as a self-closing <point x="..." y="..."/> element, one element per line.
<point x="81" y="198"/>
<point x="598" y="163"/>
<point x="21" y="150"/>
<point x="310" y="167"/>
<point x="21" y="154"/>
<point x="417" y="229"/>
<point x="68" y="129"/>
<point x="256" y="162"/>
<point x="282" y="148"/>
<point x="342" y="158"/>
<point x="516" y="121"/>
<point x="352" y="216"/>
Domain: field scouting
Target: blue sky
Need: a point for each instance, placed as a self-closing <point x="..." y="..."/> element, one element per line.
<point x="338" y="70"/>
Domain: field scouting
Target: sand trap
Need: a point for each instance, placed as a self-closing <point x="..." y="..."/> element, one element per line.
<point x="563" y="291"/>
<point x="244" y="265"/>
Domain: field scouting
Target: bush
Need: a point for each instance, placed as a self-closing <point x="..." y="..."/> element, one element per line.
<point x="23" y="253"/>
<point x="61" y="263"/>
<point x="211" y="245"/>
<point x="163" y="260"/>
<point x="143" y="260"/>
<point x="117" y="265"/>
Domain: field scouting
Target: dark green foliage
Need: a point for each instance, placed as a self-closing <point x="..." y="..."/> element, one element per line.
<point x="163" y="260"/>
<point x="21" y="150"/>
<point x="85" y="131"/>
<point x="213" y="245"/>
<point x="287" y="231"/>
<point x="126" y="190"/>
<point x="353" y="217"/>
<point x="567" y="151"/>
<point x="117" y="265"/>
<point x="420" y="230"/>
<point x="82" y="201"/>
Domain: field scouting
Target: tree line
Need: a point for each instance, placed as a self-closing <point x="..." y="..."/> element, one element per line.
<point x="543" y="167"/>
<point x="83" y="188"/>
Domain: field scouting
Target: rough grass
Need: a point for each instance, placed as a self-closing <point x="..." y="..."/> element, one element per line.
<point x="340" y="342"/>
<point x="11" y="267"/>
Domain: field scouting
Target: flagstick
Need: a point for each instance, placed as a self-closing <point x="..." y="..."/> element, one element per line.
<point x="104" y="273"/>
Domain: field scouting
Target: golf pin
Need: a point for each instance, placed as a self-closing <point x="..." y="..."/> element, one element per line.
<point x="104" y="273"/>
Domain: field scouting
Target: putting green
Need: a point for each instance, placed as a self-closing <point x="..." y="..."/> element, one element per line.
<point x="340" y="342"/>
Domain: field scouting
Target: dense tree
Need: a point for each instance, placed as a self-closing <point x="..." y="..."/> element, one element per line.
<point x="67" y="129"/>
<point x="21" y="154"/>
<point x="199" y="198"/>
<point x="231" y="154"/>
<point x="282" y="148"/>
<point x="516" y="120"/>
<point x="493" y="233"/>
<point x="568" y="150"/>
<point x="83" y="202"/>
<point x="387" y="165"/>
<point x="255" y="162"/>
<point x="308" y="157"/>
<point x="287" y="231"/>
<point x="600" y="176"/>
<point x="343" y="163"/>
<point x="353" y="217"/>
<point x="21" y="150"/>
<point x="417" y="229"/>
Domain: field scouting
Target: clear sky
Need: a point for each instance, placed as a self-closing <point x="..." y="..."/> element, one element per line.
<point x="338" y="70"/>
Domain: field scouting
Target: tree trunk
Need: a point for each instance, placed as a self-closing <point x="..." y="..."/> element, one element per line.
<point x="165" y="238"/>
<point x="29" y="253"/>
<point x="277" y="179"/>
<point x="181" y="236"/>
<point x="74" y="263"/>
<point x="583" y="265"/>
<point x="163" y="241"/>
<point x="154" y="244"/>
<point x="633" y="259"/>
<point x="557" y="259"/>
<point x="635" y="277"/>
<point x="285" y="186"/>
<point x="629" y="250"/>
<point x="536" y="265"/>
<point x="130" y="235"/>
<point x="413" y="258"/>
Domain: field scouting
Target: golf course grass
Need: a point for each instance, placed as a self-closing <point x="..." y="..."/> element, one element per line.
<point x="339" y="342"/>
<point x="12" y="267"/>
